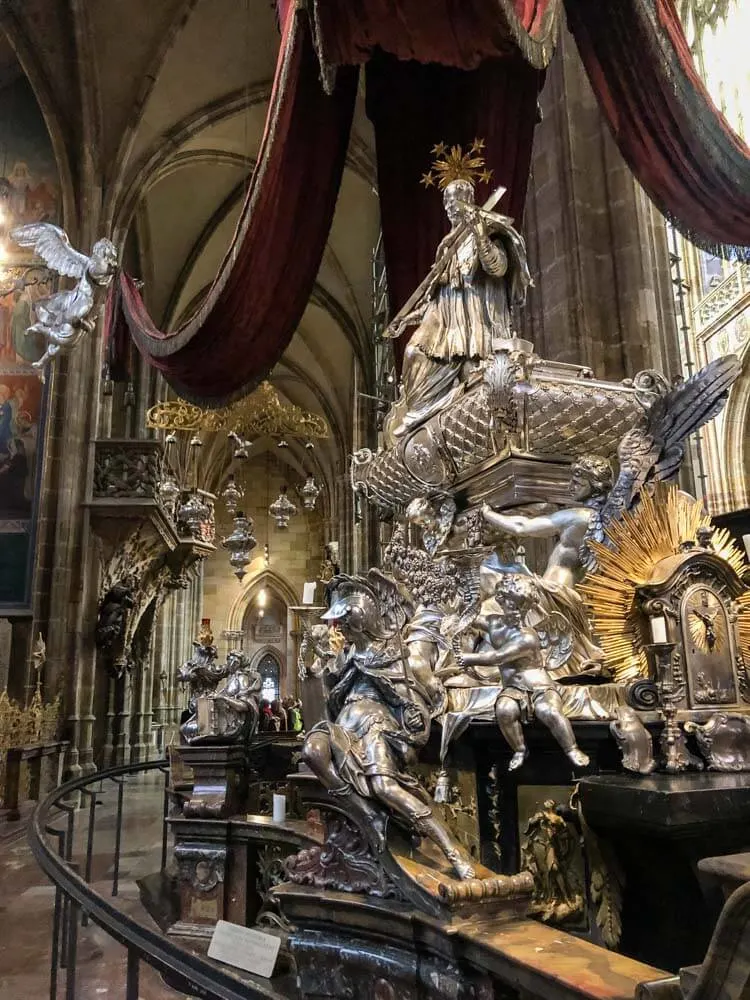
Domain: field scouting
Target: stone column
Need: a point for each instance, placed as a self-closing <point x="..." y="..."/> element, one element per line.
<point x="597" y="247"/>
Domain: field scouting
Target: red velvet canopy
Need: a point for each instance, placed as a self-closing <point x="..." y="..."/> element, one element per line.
<point x="437" y="70"/>
<point x="265" y="281"/>
<point x="688" y="159"/>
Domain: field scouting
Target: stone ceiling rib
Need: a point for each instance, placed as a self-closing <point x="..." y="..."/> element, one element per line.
<point x="231" y="202"/>
<point x="125" y="194"/>
<point x="165" y="43"/>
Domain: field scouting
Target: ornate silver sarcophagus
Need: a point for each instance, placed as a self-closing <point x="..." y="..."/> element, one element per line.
<point x="510" y="435"/>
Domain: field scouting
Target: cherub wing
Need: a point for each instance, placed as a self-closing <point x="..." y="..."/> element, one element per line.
<point x="52" y="244"/>
<point x="655" y="452"/>
<point x="396" y="605"/>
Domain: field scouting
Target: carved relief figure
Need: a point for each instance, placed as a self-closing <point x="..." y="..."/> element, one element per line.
<point x="549" y="853"/>
<point x="225" y="697"/>
<point x="111" y="625"/>
<point x="381" y="704"/>
<point x="511" y="656"/>
<point x="202" y="674"/>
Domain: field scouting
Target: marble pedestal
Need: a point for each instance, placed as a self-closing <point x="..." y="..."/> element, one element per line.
<point x="220" y="780"/>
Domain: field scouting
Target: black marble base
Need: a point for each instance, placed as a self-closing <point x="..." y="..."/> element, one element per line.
<point x="661" y="826"/>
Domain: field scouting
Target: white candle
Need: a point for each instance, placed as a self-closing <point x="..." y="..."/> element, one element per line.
<point x="279" y="808"/>
<point x="659" y="629"/>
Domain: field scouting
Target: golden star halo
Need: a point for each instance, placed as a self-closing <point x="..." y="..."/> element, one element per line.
<point x="453" y="164"/>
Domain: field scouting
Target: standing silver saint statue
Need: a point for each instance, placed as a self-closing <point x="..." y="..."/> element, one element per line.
<point x="464" y="303"/>
<point x="64" y="318"/>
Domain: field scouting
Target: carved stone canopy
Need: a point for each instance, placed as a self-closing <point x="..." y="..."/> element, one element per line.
<point x="142" y="551"/>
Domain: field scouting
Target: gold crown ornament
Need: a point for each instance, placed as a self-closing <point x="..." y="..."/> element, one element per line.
<point x="453" y="164"/>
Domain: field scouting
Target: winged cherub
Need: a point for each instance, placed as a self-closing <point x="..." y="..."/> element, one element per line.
<point x="64" y="318"/>
<point x="647" y="455"/>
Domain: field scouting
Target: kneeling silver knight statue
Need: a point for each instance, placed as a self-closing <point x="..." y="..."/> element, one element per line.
<point x="381" y="704"/>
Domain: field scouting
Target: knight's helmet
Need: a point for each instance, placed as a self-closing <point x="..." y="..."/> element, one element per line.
<point x="352" y="601"/>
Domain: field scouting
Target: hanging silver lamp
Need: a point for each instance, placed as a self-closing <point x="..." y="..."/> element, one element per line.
<point x="240" y="544"/>
<point x="232" y="494"/>
<point x="309" y="493"/>
<point x="282" y="509"/>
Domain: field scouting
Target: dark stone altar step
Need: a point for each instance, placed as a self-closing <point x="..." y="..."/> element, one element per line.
<point x="661" y="827"/>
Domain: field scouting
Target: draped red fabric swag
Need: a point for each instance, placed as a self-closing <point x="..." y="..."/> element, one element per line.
<point x="680" y="148"/>
<point x="458" y="33"/>
<point x="264" y="283"/>
<point x="437" y="70"/>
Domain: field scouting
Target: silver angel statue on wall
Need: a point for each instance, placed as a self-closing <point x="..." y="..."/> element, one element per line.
<point x="65" y="317"/>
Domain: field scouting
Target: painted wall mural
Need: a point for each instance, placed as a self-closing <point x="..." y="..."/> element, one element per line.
<point x="29" y="192"/>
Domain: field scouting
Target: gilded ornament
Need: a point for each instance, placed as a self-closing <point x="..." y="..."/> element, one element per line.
<point x="261" y="414"/>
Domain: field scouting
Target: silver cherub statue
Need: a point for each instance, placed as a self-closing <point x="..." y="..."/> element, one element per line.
<point x="380" y="705"/>
<point x="590" y="484"/>
<point x="646" y="455"/>
<point x="64" y="318"/>
<point x="511" y="657"/>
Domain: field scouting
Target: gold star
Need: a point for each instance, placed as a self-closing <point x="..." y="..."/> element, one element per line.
<point x="478" y="144"/>
<point x="485" y="176"/>
<point x="439" y="149"/>
<point x="428" y="180"/>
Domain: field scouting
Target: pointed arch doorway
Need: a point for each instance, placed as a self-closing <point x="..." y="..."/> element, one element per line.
<point x="262" y="612"/>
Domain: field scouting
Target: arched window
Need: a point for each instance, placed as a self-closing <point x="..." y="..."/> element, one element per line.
<point x="268" y="668"/>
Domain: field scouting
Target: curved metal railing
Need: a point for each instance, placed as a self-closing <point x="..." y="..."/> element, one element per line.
<point x="52" y="834"/>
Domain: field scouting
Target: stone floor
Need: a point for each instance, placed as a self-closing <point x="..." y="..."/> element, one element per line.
<point x="27" y="899"/>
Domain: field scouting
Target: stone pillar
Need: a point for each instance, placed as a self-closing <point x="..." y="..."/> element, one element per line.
<point x="6" y="633"/>
<point x="597" y="247"/>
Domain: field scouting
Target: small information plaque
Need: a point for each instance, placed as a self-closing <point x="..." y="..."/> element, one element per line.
<point x="244" y="948"/>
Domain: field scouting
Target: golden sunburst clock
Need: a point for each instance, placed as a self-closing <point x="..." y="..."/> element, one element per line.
<point x="659" y="527"/>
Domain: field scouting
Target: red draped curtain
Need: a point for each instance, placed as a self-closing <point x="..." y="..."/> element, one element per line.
<point x="437" y="70"/>
<point x="683" y="152"/>
<point x="413" y="107"/>
<point x="459" y="33"/>
<point x="486" y="89"/>
<point x="440" y="71"/>
<point x="265" y="280"/>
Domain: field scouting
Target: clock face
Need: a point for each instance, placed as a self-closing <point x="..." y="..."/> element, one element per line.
<point x="706" y="621"/>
